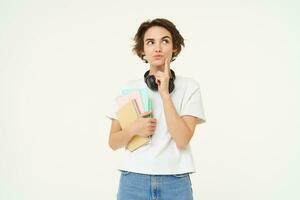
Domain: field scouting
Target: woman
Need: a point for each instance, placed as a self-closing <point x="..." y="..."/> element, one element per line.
<point x="159" y="170"/>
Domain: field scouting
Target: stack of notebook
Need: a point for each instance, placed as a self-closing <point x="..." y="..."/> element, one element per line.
<point x="131" y="104"/>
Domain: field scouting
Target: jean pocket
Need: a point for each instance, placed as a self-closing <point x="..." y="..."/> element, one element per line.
<point x="124" y="173"/>
<point x="181" y="175"/>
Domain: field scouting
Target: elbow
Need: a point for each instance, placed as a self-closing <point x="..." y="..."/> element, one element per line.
<point x="182" y="145"/>
<point x="113" y="147"/>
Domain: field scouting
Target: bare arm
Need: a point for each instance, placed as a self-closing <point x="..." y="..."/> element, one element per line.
<point x="181" y="128"/>
<point x="119" y="137"/>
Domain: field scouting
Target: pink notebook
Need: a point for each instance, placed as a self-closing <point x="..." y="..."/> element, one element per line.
<point x="122" y="100"/>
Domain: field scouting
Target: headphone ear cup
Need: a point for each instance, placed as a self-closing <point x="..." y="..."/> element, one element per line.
<point x="151" y="82"/>
<point x="171" y="85"/>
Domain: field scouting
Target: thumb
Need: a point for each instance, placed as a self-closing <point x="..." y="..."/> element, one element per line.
<point x="145" y="114"/>
<point x="157" y="82"/>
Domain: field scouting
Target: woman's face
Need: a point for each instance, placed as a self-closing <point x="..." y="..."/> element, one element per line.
<point x="158" y="46"/>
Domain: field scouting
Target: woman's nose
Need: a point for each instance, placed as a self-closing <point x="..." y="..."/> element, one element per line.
<point x="158" y="48"/>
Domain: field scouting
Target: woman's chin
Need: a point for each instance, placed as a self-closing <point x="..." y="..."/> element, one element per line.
<point x="157" y="63"/>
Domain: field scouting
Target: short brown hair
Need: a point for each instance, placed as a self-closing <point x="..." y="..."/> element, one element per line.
<point x="177" y="39"/>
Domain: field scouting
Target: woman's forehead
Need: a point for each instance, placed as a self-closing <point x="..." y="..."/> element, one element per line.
<point x="156" y="32"/>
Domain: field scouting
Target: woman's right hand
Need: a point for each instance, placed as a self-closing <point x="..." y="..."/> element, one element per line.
<point x="142" y="126"/>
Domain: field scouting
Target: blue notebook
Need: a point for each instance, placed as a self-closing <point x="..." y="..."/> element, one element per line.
<point x="147" y="104"/>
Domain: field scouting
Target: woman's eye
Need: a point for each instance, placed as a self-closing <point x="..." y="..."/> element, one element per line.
<point x="165" y="41"/>
<point x="150" y="42"/>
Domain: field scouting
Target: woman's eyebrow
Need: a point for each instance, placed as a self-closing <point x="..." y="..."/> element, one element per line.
<point x="166" y="37"/>
<point x="151" y="39"/>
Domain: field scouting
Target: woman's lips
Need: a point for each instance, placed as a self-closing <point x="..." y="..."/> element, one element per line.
<point x="158" y="57"/>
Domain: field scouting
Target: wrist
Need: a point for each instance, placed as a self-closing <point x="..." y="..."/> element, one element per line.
<point x="166" y="96"/>
<point x="129" y="133"/>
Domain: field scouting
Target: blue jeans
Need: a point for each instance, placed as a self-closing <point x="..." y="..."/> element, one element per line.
<point x="135" y="186"/>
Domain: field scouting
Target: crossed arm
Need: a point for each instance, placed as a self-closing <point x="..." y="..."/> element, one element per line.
<point x="181" y="128"/>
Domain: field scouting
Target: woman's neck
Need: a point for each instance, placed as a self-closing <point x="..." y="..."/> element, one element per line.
<point x="154" y="69"/>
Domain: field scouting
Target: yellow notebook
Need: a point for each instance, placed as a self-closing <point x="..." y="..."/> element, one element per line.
<point x="127" y="115"/>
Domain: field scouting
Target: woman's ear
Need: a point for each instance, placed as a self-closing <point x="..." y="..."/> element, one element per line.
<point x="144" y="58"/>
<point x="174" y="51"/>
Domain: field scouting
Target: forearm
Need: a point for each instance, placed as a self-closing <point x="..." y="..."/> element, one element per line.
<point x="119" y="139"/>
<point x="177" y="127"/>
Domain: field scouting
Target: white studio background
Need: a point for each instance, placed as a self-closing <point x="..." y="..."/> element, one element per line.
<point x="61" y="63"/>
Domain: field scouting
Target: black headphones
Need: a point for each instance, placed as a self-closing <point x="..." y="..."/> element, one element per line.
<point x="151" y="81"/>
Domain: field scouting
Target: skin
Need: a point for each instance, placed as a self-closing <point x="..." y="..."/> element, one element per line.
<point x="158" y="49"/>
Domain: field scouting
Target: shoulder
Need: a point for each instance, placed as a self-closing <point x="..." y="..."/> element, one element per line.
<point x="136" y="83"/>
<point x="186" y="83"/>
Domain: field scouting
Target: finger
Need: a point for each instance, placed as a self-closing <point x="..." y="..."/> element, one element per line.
<point x="167" y="66"/>
<point x="152" y="120"/>
<point x="145" y="114"/>
<point x="158" y="74"/>
<point x="159" y="77"/>
<point x="151" y="126"/>
<point x="149" y="133"/>
<point x="157" y="81"/>
<point x="152" y="130"/>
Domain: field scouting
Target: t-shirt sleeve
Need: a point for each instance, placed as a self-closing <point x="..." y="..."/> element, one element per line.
<point x="192" y="104"/>
<point x="112" y="107"/>
<point x="111" y="111"/>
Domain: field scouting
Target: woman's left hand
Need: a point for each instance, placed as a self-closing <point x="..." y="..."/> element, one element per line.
<point x="162" y="79"/>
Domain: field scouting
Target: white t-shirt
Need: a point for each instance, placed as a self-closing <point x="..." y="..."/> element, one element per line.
<point x="162" y="156"/>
